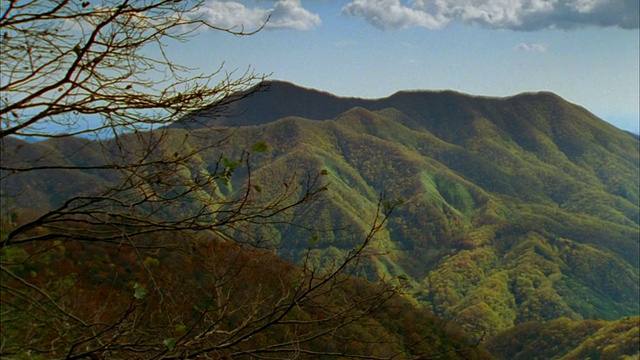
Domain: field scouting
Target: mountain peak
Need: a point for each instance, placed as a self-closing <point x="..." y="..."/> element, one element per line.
<point x="446" y="113"/>
<point x="270" y="101"/>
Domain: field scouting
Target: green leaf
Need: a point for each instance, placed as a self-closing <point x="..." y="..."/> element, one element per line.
<point x="257" y="187"/>
<point x="170" y="343"/>
<point x="313" y="239"/>
<point x="259" y="147"/>
<point x="139" y="291"/>
<point x="403" y="277"/>
<point x="230" y="164"/>
<point x="324" y="172"/>
<point x="224" y="181"/>
<point x="181" y="328"/>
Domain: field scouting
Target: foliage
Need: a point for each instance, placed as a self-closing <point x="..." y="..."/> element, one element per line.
<point x="566" y="339"/>
<point x="506" y="200"/>
<point x="226" y="299"/>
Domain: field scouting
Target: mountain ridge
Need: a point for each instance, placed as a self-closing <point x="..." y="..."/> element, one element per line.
<point x="565" y="163"/>
<point x="245" y="110"/>
<point x="515" y="209"/>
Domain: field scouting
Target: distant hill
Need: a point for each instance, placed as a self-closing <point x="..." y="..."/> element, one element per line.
<point x="269" y="101"/>
<point x="515" y="210"/>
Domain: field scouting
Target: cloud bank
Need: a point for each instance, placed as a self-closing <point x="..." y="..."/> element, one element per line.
<point x="524" y="15"/>
<point x="285" y="14"/>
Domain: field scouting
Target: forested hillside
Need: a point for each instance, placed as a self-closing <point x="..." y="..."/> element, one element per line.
<point x="511" y="212"/>
<point x="515" y="209"/>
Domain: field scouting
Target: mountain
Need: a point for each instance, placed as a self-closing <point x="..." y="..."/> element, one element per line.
<point x="515" y="210"/>
<point x="270" y="101"/>
<point x="590" y="339"/>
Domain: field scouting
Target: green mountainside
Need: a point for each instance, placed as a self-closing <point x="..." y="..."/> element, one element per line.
<point x="515" y="211"/>
<point x="589" y="339"/>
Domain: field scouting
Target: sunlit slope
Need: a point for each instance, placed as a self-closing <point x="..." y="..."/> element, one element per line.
<point x="514" y="209"/>
<point x="531" y="216"/>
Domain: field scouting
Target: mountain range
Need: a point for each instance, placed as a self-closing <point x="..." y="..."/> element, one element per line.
<point x="512" y="211"/>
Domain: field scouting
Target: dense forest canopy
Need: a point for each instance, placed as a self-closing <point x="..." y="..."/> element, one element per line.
<point x="222" y="216"/>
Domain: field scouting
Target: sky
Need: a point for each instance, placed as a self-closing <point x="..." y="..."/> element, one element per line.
<point x="586" y="51"/>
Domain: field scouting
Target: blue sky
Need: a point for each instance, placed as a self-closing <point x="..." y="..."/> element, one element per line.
<point x="586" y="51"/>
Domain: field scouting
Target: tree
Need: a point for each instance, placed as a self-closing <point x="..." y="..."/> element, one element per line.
<point x="100" y="271"/>
<point x="62" y="59"/>
<point x="92" y="70"/>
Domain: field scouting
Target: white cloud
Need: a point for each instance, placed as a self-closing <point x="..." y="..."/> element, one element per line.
<point x="289" y="14"/>
<point x="285" y="14"/>
<point x="524" y="15"/>
<point x="584" y="6"/>
<point x="391" y="14"/>
<point x="231" y="14"/>
<point x="533" y="47"/>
